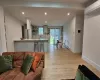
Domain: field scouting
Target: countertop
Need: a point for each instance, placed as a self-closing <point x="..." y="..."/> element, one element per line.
<point x="32" y="40"/>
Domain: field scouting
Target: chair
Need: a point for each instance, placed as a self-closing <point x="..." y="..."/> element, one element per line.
<point x="36" y="46"/>
<point x="41" y="46"/>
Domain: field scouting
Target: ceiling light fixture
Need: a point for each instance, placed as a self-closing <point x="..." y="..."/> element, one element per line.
<point x="45" y="21"/>
<point x="68" y="14"/>
<point x="23" y="13"/>
<point x="45" y="13"/>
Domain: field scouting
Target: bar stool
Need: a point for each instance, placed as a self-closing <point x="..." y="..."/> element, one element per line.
<point x="36" y="46"/>
<point x="41" y="45"/>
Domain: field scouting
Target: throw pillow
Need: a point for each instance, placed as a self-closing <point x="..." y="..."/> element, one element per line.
<point x="9" y="59"/>
<point x="5" y="63"/>
<point x="34" y="65"/>
<point x="27" y="64"/>
<point x="39" y="60"/>
<point x="36" y="62"/>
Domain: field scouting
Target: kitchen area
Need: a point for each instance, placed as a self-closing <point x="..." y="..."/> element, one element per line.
<point x="34" y="39"/>
<point x="37" y="38"/>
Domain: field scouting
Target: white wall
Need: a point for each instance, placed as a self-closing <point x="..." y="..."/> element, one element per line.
<point x="13" y="30"/>
<point x="71" y="37"/>
<point x="79" y="36"/>
<point x="65" y="35"/>
<point x="91" y="41"/>
<point x="69" y="33"/>
<point x="2" y="32"/>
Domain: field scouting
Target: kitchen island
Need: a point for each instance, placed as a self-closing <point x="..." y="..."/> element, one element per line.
<point x="30" y="44"/>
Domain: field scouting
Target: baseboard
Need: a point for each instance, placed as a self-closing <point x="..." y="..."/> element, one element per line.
<point x="91" y="62"/>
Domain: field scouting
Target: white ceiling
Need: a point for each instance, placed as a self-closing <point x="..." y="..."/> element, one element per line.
<point x="55" y="17"/>
<point x="61" y="1"/>
<point x="34" y="10"/>
<point x="67" y="1"/>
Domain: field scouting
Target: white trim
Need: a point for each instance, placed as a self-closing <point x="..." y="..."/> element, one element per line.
<point x="91" y="62"/>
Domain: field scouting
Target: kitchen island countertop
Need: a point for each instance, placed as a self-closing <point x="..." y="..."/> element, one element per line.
<point x="25" y="40"/>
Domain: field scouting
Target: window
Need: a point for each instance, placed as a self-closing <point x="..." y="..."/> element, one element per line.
<point x="40" y="31"/>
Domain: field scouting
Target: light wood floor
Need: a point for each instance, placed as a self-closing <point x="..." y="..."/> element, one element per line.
<point x="62" y="64"/>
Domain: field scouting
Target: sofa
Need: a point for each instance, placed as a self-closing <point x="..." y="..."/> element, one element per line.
<point x="84" y="73"/>
<point x="16" y="74"/>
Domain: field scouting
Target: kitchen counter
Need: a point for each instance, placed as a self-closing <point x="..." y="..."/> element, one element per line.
<point x="28" y="45"/>
<point x="31" y="40"/>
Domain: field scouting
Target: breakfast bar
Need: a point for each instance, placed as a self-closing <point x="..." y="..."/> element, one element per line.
<point x="31" y="45"/>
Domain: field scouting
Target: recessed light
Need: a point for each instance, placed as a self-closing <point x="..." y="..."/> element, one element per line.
<point x="23" y="13"/>
<point x="68" y="14"/>
<point x="45" y="13"/>
<point x="45" y="21"/>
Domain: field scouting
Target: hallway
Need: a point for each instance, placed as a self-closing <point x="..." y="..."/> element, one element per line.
<point x="62" y="64"/>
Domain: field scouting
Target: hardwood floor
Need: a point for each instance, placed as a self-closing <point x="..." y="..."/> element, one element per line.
<point x="62" y="64"/>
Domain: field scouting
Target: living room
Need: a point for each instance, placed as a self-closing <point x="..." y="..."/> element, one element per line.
<point x="35" y="27"/>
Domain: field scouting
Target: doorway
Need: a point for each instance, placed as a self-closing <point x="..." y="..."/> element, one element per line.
<point x="55" y="34"/>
